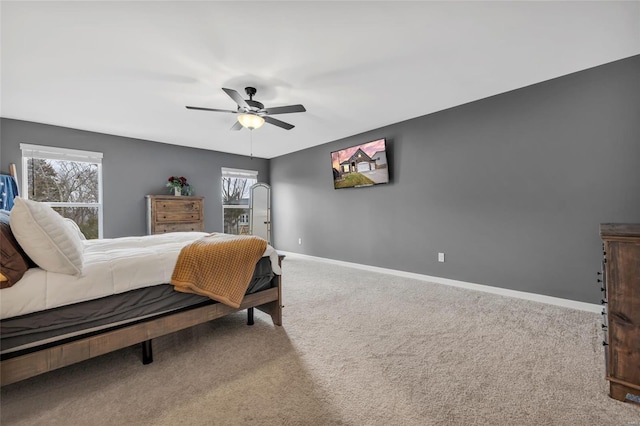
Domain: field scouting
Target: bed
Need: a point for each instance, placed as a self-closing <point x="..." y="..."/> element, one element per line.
<point x="121" y="297"/>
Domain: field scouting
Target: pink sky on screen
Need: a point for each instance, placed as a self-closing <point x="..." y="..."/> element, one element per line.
<point x="369" y="148"/>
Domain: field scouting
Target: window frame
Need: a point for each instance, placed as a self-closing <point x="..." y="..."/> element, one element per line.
<point x="64" y="154"/>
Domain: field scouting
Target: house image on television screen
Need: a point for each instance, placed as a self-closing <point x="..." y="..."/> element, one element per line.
<point x="361" y="165"/>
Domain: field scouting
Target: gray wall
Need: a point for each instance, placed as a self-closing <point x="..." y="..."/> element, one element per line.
<point x="133" y="168"/>
<point x="512" y="188"/>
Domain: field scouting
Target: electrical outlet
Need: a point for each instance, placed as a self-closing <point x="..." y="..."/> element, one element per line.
<point x="299" y="241"/>
<point x="440" y="257"/>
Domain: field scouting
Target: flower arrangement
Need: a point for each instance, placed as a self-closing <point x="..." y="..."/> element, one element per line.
<point x="179" y="185"/>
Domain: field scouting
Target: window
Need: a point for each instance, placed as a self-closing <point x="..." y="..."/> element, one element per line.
<point x="68" y="180"/>
<point x="235" y="199"/>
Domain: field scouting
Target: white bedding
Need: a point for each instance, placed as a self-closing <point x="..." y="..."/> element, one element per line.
<point x="111" y="266"/>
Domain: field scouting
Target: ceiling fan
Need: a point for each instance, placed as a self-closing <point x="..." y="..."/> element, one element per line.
<point x="252" y="114"/>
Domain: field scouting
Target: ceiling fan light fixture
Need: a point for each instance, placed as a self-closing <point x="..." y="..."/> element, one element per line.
<point x="251" y="121"/>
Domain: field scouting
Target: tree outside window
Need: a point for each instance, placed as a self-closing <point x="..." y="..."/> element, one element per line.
<point x="67" y="180"/>
<point x="236" y="185"/>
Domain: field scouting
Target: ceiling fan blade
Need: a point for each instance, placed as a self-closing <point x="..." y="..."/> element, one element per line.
<point x="212" y="109"/>
<point x="237" y="98"/>
<point x="236" y="126"/>
<point x="285" y="109"/>
<point x="278" y="123"/>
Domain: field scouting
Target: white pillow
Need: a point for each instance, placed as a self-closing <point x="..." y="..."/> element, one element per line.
<point x="73" y="225"/>
<point x="45" y="236"/>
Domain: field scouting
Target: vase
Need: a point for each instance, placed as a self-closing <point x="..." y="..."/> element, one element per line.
<point x="177" y="192"/>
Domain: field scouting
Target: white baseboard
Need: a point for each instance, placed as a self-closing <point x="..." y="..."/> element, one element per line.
<point x="567" y="303"/>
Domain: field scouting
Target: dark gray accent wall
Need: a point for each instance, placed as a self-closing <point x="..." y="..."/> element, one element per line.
<point x="133" y="168"/>
<point x="511" y="188"/>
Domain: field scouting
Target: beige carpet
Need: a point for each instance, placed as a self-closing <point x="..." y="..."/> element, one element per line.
<point x="357" y="348"/>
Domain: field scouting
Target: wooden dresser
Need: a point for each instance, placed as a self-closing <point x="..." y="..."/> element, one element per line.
<point x="621" y="313"/>
<point x="168" y="213"/>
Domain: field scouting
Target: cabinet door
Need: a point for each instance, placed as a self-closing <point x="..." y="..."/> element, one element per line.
<point x="623" y="294"/>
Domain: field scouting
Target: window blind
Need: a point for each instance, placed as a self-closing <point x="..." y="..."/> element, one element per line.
<point x="54" y="153"/>
<point x="239" y="173"/>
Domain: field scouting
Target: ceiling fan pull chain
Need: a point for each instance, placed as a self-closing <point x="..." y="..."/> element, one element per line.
<point x="251" y="142"/>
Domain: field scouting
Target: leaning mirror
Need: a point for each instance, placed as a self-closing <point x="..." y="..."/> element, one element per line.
<point x="260" y="211"/>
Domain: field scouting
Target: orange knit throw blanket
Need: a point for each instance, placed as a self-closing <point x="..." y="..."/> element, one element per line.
<point x="218" y="266"/>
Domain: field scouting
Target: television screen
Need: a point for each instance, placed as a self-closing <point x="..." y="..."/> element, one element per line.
<point x="360" y="165"/>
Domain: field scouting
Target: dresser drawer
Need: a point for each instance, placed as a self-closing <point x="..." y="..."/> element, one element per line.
<point x="177" y="211"/>
<point x="178" y="227"/>
<point x="169" y="217"/>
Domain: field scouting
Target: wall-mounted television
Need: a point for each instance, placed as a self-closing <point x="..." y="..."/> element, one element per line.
<point x="360" y="165"/>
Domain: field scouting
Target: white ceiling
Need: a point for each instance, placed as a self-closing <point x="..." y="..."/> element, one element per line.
<point x="129" y="68"/>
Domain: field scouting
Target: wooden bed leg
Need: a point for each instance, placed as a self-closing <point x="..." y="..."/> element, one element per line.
<point x="275" y="308"/>
<point x="147" y="352"/>
<point x="250" y="316"/>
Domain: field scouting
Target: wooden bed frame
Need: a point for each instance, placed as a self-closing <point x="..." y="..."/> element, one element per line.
<point x="45" y="359"/>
